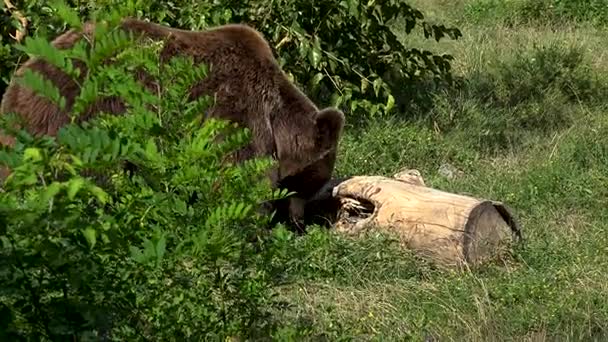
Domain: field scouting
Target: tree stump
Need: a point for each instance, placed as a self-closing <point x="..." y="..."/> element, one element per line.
<point x="450" y="229"/>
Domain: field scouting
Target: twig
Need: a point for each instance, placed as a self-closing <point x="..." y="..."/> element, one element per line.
<point x="19" y="34"/>
<point x="285" y="39"/>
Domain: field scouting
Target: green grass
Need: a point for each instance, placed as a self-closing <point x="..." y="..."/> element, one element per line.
<point x="528" y="126"/>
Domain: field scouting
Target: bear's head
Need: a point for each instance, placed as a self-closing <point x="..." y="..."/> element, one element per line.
<point x="308" y="170"/>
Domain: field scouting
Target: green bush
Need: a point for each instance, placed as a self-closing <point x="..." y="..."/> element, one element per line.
<point x="559" y="11"/>
<point x="134" y="257"/>
<point x="555" y="12"/>
<point x="538" y="91"/>
<point x="342" y="52"/>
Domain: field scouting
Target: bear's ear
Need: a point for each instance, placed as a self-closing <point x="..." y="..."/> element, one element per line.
<point x="329" y="123"/>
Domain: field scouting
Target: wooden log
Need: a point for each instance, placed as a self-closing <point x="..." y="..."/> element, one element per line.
<point x="451" y="229"/>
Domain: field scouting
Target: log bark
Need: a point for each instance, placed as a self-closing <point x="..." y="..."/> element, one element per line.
<point x="451" y="229"/>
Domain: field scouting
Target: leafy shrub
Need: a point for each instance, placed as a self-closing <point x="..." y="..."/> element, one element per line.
<point x="135" y="257"/>
<point x="555" y="11"/>
<point x="551" y="65"/>
<point x="343" y="52"/>
<point x="539" y="90"/>
<point x="539" y="11"/>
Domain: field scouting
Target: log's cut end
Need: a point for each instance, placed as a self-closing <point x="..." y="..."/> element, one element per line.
<point x="489" y="227"/>
<point x="448" y="228"/>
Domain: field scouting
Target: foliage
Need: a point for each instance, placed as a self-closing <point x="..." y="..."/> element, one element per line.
<point x="558" y="12"/>
<point x="539" y="90"/>
<point x="343" y="53"/>
<point x="169" y="252"/>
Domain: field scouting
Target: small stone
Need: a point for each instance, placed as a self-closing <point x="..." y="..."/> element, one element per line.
<point x="449" y="171"/>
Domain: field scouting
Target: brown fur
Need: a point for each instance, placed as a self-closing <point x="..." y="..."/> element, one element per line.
<point x="248" y="86"/>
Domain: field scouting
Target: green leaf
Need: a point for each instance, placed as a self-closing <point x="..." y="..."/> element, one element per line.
<point x="74" y="185"/>
<point x="316" y="79"/>
<point x="66" y="13"/>
<point x="136" y="254"/>
<point x="149" y="250"/>
<point x="303" y="48"/>
<point x="180" y="207"/>
<point x="152" y="150"/>
<point x="90" y="235"/>
<point x="100" y="194"/>
<point x="6" y="243"/>
<point x="390" y="103"/>
<point x="32" y="154"/>
<point x="39" y="47"/>
<point x="160" y="249"/>
<point x="51" y="190"/>
<point x="88" y="94"/>
<point x="353" y="8"/>
<point x="377" y="84"/>
<point x="41" y="86"/>
<point x="315" y="53"/>
<point x="364" y="85"/>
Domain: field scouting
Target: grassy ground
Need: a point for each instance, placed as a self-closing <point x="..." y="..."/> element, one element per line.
<point x="528" y="127"/>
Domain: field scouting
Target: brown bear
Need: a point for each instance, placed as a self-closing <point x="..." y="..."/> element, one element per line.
<point x="247" y="84"/>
